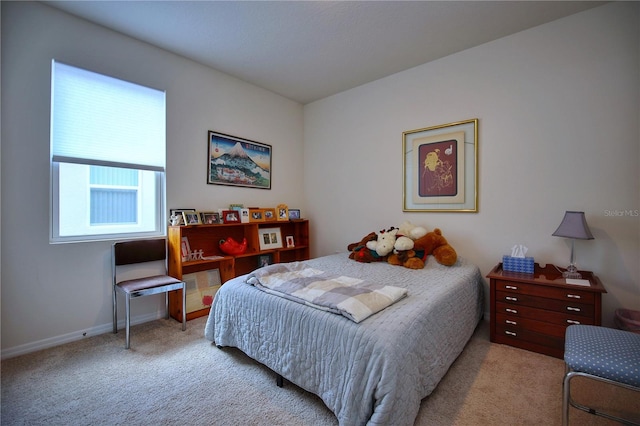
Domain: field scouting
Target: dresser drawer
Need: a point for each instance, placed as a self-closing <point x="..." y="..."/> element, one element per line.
<point x="574" y="295"/>
<point x="526" y="324"/>
<point x="555" y="317"/>
<point x="517" y="337"/>
<point x="569" y="307"/>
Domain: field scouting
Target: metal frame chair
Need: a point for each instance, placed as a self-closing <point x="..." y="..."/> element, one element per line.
<point x="142" y="251"/>
<point x="603" y="354"/>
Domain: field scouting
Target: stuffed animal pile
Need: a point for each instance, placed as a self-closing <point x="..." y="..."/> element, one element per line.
<point x="407" y="246"/>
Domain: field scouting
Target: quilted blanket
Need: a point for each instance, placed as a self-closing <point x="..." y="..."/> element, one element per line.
<point x="375" y="372"/>
<point x="355" y="298"/>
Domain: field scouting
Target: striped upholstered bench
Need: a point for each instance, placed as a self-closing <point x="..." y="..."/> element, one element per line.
<point x="604" y="354"/>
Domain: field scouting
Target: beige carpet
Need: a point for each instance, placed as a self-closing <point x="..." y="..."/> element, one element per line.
<point x="172" y="377"/>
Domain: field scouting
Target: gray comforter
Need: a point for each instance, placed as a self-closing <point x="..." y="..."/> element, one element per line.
<point x="375" y="372"/>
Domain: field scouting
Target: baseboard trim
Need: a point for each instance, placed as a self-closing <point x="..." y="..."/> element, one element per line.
<point x="73" y="336"/>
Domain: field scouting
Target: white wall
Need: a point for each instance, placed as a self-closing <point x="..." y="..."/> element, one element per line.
<point x="559" y="109"/>
<point x="54" y="293"/>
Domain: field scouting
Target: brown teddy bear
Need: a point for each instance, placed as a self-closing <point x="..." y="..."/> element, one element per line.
<point x="361" y="253"/>
<point x="404" y="254"/>
<point x="435" y="244"/>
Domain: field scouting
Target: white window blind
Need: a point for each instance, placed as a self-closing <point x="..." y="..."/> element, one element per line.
<point x="108" y="150"/>
<point x="105" y="121"/>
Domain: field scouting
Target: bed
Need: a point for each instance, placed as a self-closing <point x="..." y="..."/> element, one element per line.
<point x="375" y="372"/>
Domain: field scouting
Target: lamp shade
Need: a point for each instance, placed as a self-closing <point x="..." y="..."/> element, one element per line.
<point x="574" y="225"/>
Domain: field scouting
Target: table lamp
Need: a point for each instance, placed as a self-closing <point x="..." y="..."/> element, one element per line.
<point x="574" y="226"/>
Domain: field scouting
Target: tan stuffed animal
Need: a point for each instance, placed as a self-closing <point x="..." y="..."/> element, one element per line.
<point x="435" y="244"/>
<point x="404" y="255"/>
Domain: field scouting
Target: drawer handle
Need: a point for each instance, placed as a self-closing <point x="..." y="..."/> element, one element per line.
<point x="511" y="322"/>
<point x="574" y="296"/>
<point x="511" y="287"/>
<point x="573" y="322"/>
<point x="513" y="311"/>
<point x="512" y="299"/>
<point x="510" y="333"/>
<point x="571" y="308"/>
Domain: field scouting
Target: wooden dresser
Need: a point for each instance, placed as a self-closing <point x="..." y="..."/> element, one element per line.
<point x="532" y="311"/>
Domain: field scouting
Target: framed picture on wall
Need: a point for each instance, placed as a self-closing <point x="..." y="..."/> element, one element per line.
<point x="238" y="162"/>
<point x="441" y="168"/>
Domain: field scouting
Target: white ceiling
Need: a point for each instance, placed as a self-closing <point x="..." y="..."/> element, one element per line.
<point x="307" y="50"/>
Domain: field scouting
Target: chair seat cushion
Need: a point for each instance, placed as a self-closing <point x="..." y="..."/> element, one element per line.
<point x="130" y="286"/>
<point x="604" y="352"/>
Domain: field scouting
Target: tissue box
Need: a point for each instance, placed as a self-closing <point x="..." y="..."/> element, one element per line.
<point x="518" y="264"/>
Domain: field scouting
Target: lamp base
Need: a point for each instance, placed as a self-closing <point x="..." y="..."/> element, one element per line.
<point x="572" y="273"/>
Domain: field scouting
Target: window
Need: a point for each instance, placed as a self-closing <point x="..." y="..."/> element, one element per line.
<point x="107" y="157"/>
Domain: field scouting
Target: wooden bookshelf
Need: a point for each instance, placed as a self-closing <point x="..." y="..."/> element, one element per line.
<point x="207" y="239"/>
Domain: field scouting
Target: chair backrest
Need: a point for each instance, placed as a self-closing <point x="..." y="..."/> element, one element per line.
<point x="139" y="251"/>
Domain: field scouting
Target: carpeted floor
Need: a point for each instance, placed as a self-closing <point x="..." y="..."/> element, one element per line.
<point x="172" y="377"/>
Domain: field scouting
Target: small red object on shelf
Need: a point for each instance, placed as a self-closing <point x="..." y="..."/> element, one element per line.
<point x="232" y="247"/>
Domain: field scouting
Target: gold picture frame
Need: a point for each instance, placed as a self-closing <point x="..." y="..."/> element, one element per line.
<point x="269" y="214"/>
<point x="256" y="215"/>
<point x="282" y="212"/>
<point x="440" y="168"/>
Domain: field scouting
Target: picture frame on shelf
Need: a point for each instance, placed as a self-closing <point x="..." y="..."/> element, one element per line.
<point x="441" y="168"/>
<point x="270" y="238"/>
<point x="236" y="206"/>
<point x="290" y="241"/>
<point x="201" y="289"/>
<point x="256" y="215"/>
<point x="244" y="215"/>
<point x="269" y="214"/>
<point x="176" y="218"/>
<point x="185" y="249"/>
<point x="264" y="260"/>
<point x="282" y="212"/>
<point x="231" y="216"/>
<point x="210" y="218"/>
<point x="294" y="214"/>
<point x="253" y="170"/>
<point x="191" y="218"/>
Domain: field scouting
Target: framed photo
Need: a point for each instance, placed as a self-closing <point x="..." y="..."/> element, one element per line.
<point x="201" y="288"/>
<point x="244" y="215"/>
<point x="231" y="216"/>
<point x="270" y="238"/>
<point x="282" y="212"/>
<point x="440" y="168"/>
<point x="290" y="241"/>
<point x="185" y="249"/>
<point x="269" y="215"/>
<point x="176" y="218"/>
<point x="210" y="218"/>
<point x="294" y="214"/>
<point x="238" y="162"/>
<point x="264" y="260"/>
<point x="256" y="215"/>
<point x="191" y="218"/>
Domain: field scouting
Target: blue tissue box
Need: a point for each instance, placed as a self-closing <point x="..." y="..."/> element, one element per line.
<point x="518" y="264"/>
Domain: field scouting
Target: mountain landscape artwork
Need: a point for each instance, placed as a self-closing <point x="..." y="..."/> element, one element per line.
<point x="238" y="162"/>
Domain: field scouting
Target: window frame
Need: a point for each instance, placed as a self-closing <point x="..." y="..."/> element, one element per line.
<point x="151" y="191"/>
